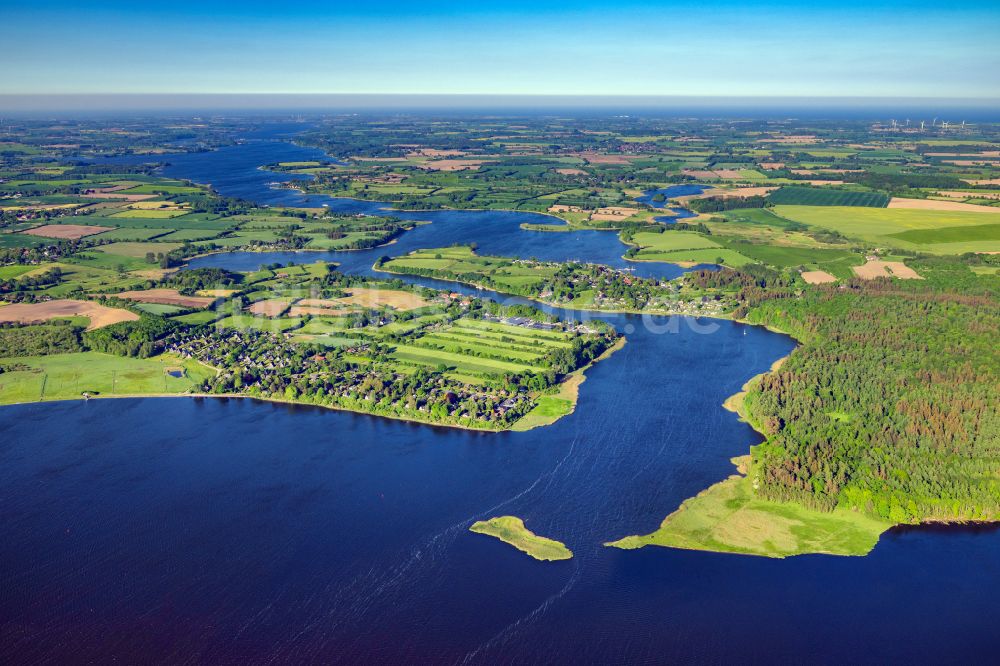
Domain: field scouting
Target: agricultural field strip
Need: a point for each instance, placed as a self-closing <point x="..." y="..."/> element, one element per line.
<point x="459" y="345"/>
<point x="435" y="356"/>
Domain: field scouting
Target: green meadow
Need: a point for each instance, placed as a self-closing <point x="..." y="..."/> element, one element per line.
<point x="885" y="226"/>
<point x="68" y="376"/>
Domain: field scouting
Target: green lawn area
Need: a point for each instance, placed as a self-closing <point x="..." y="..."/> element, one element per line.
<point x="728" y="518"/>
<point x="67" y="376"/>
<point x="511" y="529"/>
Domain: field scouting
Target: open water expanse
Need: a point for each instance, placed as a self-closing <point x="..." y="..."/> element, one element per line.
<point x="183" y="530"/>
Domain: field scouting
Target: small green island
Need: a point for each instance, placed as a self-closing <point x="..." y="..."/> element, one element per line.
<point x="511" y="529"/>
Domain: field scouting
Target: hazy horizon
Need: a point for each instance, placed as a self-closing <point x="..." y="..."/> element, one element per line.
<point x="109" y="104"/>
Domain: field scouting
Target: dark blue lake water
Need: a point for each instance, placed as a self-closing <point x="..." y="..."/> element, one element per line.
<point x="206" y="531"/>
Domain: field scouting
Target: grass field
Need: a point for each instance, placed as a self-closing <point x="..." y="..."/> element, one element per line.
<point x="720" y="255"/>
<point x="837" y="262"/>
<point x="153" y="214"/>
<point x="8" y="272"/>
<point x="669" y="241"/>
<point x="728" y="518"/>
<point x="511" y="529"/>
<point x="137" y="250"/>
<point x="158" y="308"/>
<point x="883" y="225"/>
<point x="815" y="196"/>
<point x="67" y="376"/>
<point x="476" y="348"/>
<point x="974" y="233"/>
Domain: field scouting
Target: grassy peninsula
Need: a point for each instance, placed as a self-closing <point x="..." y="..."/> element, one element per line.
<point x="511" y="529"/>
<point x="729" y="517"/>
<point x="304" y="334"/>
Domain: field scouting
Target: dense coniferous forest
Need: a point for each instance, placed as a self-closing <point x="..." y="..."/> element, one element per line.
<point x="890" y="404"/>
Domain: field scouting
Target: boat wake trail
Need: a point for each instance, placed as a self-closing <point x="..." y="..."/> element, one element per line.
<point x="510" y="630"/>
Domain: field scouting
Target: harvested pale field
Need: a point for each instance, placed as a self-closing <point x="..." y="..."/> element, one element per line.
<point x="969" y="195"/>
<point x="572" y="172"/>
<point x="29" y="206"/>
<point x="729" y="192"/>
<point x="700" y="174"/>
<point x="380" y="159"/>
<point x="116" y="192"/>
<point x="820" y="181"/>
<point x="728" y="173"/>
<point x="877" y="268"/>
<point x="452" y="165"/>
<point x="65" y="231"/>
<point x="326" y="303"/>
<point x="772" y="165"/>
<point x="613" y="213"/>
<point x="216" y="293"/>
<point x="270" y="308"/>
<point x="156" y="205"/>
<point x="987" y="181"/>
<point x="930" y="204"/>
<point x="562" y="208"/>
<point x="99" y="315"/>
<point x="375" y="298"/>
<point x="299" y="311"/>
<point x="167" y="297"/>
<point x="985" y="162"/>
<point x="817" y="277"/>
<point x="153" y="273"/>
<point x="984" y="153"/>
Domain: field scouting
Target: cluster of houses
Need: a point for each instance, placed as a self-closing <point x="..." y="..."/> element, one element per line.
<point x="270" y="362"/>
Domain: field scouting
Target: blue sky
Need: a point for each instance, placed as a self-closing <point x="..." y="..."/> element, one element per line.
<point x="915" y="48"/>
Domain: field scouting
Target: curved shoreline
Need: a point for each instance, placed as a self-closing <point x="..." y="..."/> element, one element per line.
<point x="564" y="307"/>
